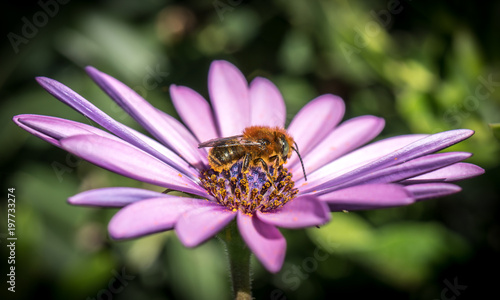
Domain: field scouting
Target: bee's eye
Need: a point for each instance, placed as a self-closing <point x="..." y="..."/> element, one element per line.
<point x="284" y="147"/>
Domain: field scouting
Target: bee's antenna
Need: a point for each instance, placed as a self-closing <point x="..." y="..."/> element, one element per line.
<point x="296" y="149"/>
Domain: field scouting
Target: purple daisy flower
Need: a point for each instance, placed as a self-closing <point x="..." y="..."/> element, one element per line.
<point x="342" y="173"/>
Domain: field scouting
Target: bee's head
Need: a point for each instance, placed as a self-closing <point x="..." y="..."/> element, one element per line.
<point x="285" y="142"/>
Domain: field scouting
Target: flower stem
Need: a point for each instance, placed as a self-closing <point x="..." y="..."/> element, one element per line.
<point x="238" y="255"/>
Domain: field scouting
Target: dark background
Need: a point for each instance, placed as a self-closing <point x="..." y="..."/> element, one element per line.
<point x="418" y="64"/>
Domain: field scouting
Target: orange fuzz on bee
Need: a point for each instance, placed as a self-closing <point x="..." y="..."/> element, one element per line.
<point x="257" y="146"/>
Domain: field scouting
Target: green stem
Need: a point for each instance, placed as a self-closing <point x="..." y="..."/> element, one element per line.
<point x="238" y="255"/>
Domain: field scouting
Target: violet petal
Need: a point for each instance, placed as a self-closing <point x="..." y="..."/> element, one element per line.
<point x="405" y="170"/>
<point x="356" y="159"/>
<point x="146" y="115"/>
<point x="314" y="121"/>
<point x="369" y="196"/>
<point x="228" y="91"/>
<point x="196" y="226"/>
<point x="78" y="103"/>
<point x="416" y="149"/>
<point x="52" y="129"/>
<point x="113" y="196"/>
<point x="455" y="172"/>
<point x="150" y="216"/>
<point x="425" y="191"/>
<point x="303" y="211"/>
<point x="265" y="241"/>
<point x="121" y="158"/>
<point x="187" y="135"/>
<point x="267" y="104"/>
<point x="195" y="112"/>
<point x="343" y="139"/>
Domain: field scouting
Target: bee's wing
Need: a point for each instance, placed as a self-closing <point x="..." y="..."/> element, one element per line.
<point x="236" y="140"/>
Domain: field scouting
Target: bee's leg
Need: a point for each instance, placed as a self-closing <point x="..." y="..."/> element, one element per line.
<point x="265" y="167"/>
<point x="275" y="164"/>
<point x="245" y="164"/>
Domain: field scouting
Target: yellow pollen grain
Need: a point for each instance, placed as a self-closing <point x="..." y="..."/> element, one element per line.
<point x="180" y="175"/>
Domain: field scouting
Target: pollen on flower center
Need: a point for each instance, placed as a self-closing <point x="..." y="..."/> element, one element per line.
<point x="252" y="191"/>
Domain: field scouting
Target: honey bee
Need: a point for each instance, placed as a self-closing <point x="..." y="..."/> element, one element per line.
<point x="258" y="145"/>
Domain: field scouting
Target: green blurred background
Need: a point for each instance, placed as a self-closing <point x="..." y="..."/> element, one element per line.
<point x="424" y="66"/>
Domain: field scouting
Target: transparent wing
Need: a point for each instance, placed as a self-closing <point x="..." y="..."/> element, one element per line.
<point x="236" y="140"/>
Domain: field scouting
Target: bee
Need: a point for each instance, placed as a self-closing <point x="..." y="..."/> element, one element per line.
<point x="257" y="146"/>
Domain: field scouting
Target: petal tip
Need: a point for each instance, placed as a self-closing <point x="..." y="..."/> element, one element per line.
<point x="41" y="78"/>
<point x="91" y="70"/>
<point x="23" y="119"/>
<point x="17" y="119"/>
<point x="260" y="80"/>
<point x="224" y="66"/>
<point x="465" y="132"/>
<point x="116" y="230"/>
<point x="334" y="99"/>
<point x="76" y="200"/>
<point x="221" y="62"/>
<point x="188" y="243"/>
<point x="274" y="268"/>
<point x="480" y="171"/>
<point x="177" y="90"/>
<point x="381" y="121"/>
<point x="44" y="81"/>
<point x="72" y="200"/>
<point x="475" y="171"/>
<point x="113" y="233"/>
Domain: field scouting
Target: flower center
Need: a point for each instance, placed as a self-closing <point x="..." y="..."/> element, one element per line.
<point x="252" y="191"/>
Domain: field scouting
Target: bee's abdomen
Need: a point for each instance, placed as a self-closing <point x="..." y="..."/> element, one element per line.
<point x="219" y="157"/>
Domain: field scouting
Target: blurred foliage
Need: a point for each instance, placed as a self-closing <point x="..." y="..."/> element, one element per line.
<point x="424" y="66"/>
<point x="495" y="128"/>
<point x="400" y="253"/>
